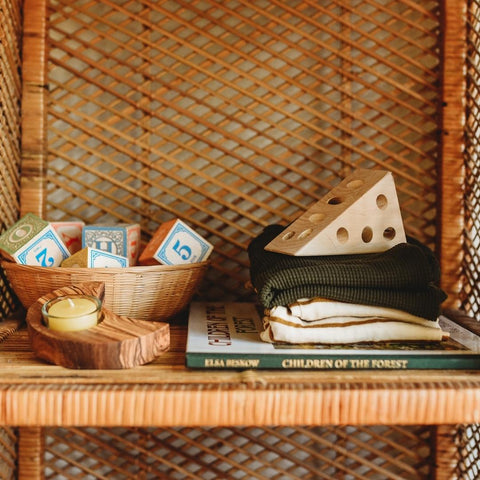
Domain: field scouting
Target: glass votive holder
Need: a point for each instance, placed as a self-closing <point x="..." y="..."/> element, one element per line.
<point x="71" y="313"/>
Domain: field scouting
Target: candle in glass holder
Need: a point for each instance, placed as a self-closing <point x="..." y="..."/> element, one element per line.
<point x="72" y="313"/>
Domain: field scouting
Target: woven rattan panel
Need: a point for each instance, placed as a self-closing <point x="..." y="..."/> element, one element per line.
<point x="469" y="435"/>
<point x="236" y="114"/>
<point x="10" y="93"/>
<point x="248" y="453"/>
<point x="8" y="454"/>
<point x="471" y="264"/>
<point x="233" y="115"/>
<point x="468" y="441"/>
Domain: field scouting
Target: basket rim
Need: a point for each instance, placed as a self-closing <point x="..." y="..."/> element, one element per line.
<point x="8" y="264"/>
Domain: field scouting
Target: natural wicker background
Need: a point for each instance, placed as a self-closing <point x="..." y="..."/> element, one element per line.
<point x="10" y="97"/>
<point x="234" y="115"/>
<point x="469" y="435"/>
<point x="278" y="453"/>
<point x="471" y="263"/>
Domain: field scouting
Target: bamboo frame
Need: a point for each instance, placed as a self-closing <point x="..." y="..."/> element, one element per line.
<point x="31" y="447"/>
<point x="451" y="169"/>
<point x="35" y="86"/>
<point x="446" y="451"/>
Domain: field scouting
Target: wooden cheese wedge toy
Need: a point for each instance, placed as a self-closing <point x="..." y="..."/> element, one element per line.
<point x="359" y="215"/>
<point x="116" y="342"/>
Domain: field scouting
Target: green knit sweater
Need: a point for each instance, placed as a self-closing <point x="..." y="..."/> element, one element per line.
<point x="403" y="277"/>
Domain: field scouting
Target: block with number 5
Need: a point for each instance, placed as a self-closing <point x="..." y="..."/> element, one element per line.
<point x="175" y="243"/>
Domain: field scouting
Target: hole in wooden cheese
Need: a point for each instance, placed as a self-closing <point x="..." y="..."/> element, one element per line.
<point x="334" y="201"/>
<point x="305" y="233"/>
<point x="288" y="235"/>
<point x="316" y="217"/>
<point x="355" y="183"/>
<point x="382" y="202"/>
<point x="367" y="234"/>
<point x="342" y="235"/>
<point x="389" y="233"/>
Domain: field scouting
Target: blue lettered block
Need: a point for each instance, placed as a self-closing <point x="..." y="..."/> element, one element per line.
<point x="94" y="258"/>
<point x="121" y="239"/>
<point x="175" y="243"/>
<point x="33" y="241"/>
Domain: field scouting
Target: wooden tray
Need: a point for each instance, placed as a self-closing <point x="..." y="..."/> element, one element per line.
<point x="116" y="342"/>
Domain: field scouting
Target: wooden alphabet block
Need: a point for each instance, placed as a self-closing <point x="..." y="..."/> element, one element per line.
<point x="360" y="215"/>
<point x="70" y="233"/>
<point x="175" y="243"/>
<point x="93" y="258"/>
<point x="33" y="241"/>
<point x="121" y="239"/>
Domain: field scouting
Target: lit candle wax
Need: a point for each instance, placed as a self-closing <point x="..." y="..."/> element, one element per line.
<point x="72" y="313"/>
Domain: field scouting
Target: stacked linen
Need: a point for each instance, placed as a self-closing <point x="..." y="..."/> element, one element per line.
<point x="386" y="296"/>
<point x="324" y="321"/>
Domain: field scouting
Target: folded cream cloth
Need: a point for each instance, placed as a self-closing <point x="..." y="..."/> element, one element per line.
<point x="343" y="327"/>
<point x="319" y="308"/>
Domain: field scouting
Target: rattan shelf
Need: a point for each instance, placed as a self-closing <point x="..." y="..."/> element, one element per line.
<point x="165" y="393"/>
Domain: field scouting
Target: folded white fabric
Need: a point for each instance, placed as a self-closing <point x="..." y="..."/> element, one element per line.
<point x="319" y="308"/>
<point x="340" y="323"/>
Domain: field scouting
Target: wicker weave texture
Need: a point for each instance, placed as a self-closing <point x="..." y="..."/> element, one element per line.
<point x="10" y="94"/>
<point x="157" y="292"/>
<point x="468" y="441"/>
<point x="471" y="293"/>
<point x="8" y="453"/>
<point x="234" y="115"/>
<point x="279" y="453"/>
<point x="468" y="438"/>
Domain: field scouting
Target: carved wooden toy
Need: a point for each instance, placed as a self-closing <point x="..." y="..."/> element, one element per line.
<point x="360" y="215"/>
<point x="117" y="342"/>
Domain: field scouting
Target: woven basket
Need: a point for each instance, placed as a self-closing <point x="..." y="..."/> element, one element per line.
<point x="145" y="292"/>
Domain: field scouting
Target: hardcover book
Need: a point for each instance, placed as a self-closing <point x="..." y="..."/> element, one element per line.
<point x="227" y="336"/>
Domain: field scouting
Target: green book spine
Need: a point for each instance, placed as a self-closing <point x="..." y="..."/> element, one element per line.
<point x="334" y="362"/>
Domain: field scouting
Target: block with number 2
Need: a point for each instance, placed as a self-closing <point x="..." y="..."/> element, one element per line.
<point x="33" y="241"/>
